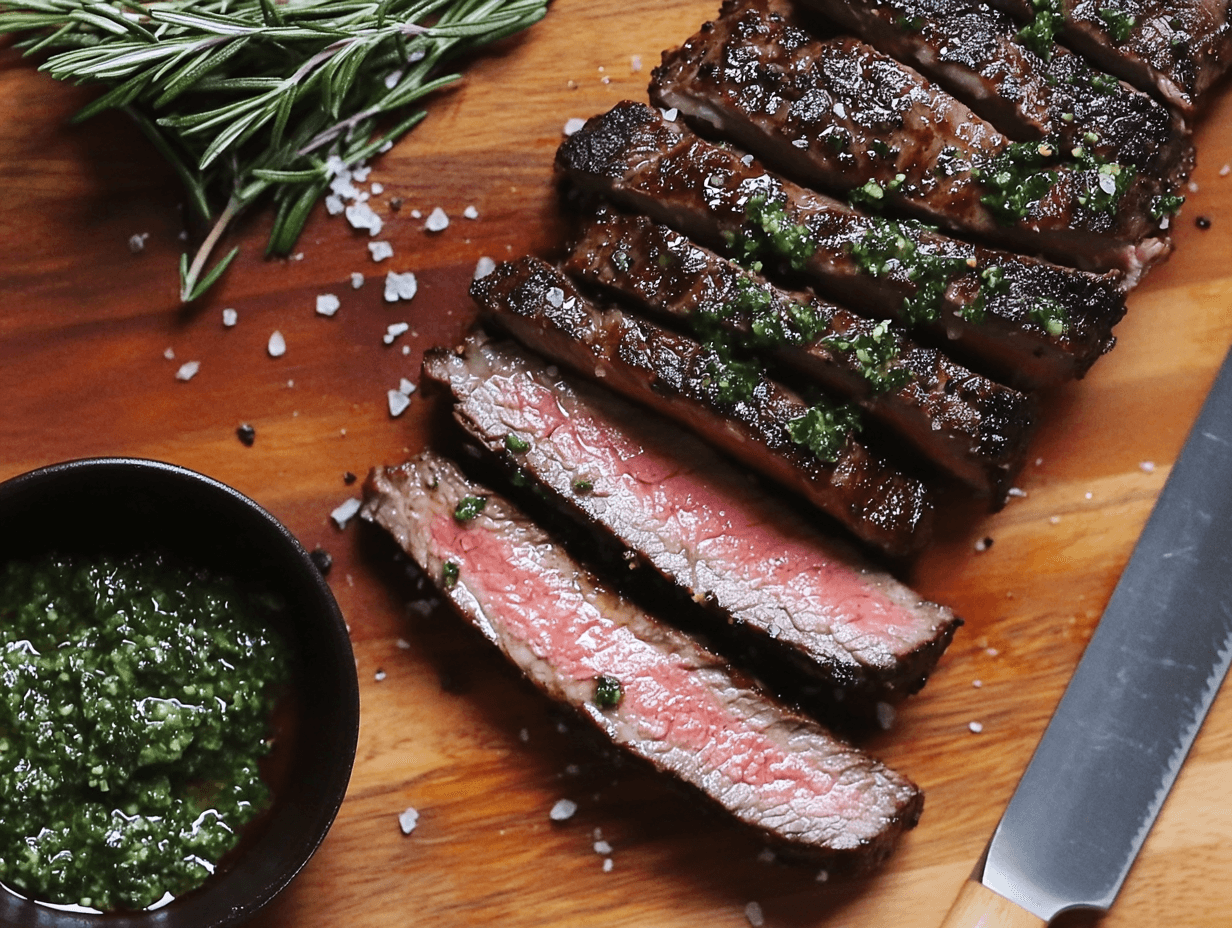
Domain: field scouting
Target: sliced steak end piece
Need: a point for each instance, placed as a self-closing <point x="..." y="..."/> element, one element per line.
<point x="650" y="689"/>
<point x="762" y="570"/>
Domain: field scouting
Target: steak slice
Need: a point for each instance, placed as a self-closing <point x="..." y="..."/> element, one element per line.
<point x="1177" y="50"/>
<point x="838" y="115"/>
<point x="765" y="573"/>
<point x="970" y="426"/>
<point x="975" y="52"/>
<point x="687" y="382"/>
<point x="1028" y="322"/>
<point x="648" y="688"/>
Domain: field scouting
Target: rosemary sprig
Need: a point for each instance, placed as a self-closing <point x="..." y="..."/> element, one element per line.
<point x="254" y="99"/>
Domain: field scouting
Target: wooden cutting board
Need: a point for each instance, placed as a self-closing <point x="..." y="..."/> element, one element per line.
<point x="87" y="330"/>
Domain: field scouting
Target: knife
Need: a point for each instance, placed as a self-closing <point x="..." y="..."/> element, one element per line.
<point x="1131" y="710"/>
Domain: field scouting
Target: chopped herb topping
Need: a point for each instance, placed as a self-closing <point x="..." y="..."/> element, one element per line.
<point x="874" y="352"/>
<point x="582" y="486"/>
<point x="872" y="193"/>
<point x="1109" y="181"/>
<point x="608" y="692"/>
<point x="825" y="428"/>
<point x="1051" y="315"/>
<point x="888" y="243"/>
<point x="1104" y="83"/>
<point x="1118" y="22"/>
<point x="468" y="507"/>
<point x="449" y="575"/>
<point x="516" y="443"/>
<point x="1039" y="35"/>
<point x="908" y="23"/>
<point x="771" y="231"/>
<point x="1017" y="179"/>
<point x="734" y="380"/>
<point x="1166" y="205"/>
<point x="772" y="322"/>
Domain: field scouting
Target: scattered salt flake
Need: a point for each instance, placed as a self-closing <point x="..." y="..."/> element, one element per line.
<point x="470" y="212"/>
<point x="408" y="820"/>
<point x="169" y="354"/>
<point x="1192" y="186"/>
<point x="405" y="387"/>
<point x="1147" y="467"/>
<point x="416" y="214"/>
<point x="574" y="125"/>
<point x="800" y="143"/>
<point x="602" y="847"/>
<point x="983" y="544"/>
<point x="822" y="876"/>
<point x="1088" y="495"/>
<point x="563" y="810"/>
<point x="1225" y="170"/>
<point x="398" y="402"/>
<point x="386" y="146"/>
<point x="437" y="221"/>
<point x="379" y="676"/>
<point x="605" y="79"/>
<point x="483" y="267"/>
<point x="524" y="735"/>
<point x="975" y="727"/>
<point x="361" y="216"/>
<point x="607" y="865"/>
<point x="556" y="296"/>
<point x="230" y="317"/>
<point x="1054" y="520"/>
<point x="327" y="304"/>
<point x="377" y="189"/>
<point x="391" y="79"/>
<point x="885" y="715"/>
<point x="188" y="370"/>
<point x="277" y="346"/>
<point x="991" y="652"/>
<point x="635" y="64"/>
<point x="334" y="204"/>
<point x="136" y="243"/>
<point x="1039" y="461"/>
<point x="346" y="512"/>
<point x="380" y="250"/>
<point x="670" y="115"/>
<point x="393" y="330"/>
<point x="357" y="281"/>
<point x="765" y="856"/>
<point x="361" y="173"/>
<point x="400" y="286"/>
<point x="403" y="644"/>
<point x="1017" y="493"/>
<point x="572" y="770"/>
<point x="406" y="349"/>
<point x="977" y="683"/>
<point x="1107" y="183"/>
<point x="335" y="166"/>
<point x="753" y="913"/>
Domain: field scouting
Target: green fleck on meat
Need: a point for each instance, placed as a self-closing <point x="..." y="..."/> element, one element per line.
<point x="825" y="429"/>
<point x="608" y="692"/>
<point x="469" y="507"/>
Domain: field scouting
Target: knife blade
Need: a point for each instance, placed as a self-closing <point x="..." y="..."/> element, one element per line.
<point x="1133" y="707"/>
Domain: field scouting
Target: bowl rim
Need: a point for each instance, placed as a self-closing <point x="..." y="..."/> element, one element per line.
<point x="337" y="639"/>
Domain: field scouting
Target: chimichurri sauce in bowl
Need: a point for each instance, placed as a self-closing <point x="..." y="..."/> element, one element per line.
<point x="135" y="703"/>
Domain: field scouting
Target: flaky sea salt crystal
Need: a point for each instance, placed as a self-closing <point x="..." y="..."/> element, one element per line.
<point x="753" y="913"/>
<point x="408" y="819"/>
<point x="277" y="345"/>
<point x="635" y="64"/>
<point x="398" y="402"/>
<point x="607" y="865"/>
<point x="400" y="286"/>
<point x="602" y="848"/>
<point x="394" y="330"/>
<point x="563" y="810"/>
<point x="361" y="216"/>
<point x="334" y="204"/>
<point x="327" y="304"/>
<point x="169" y="354"/>
<point x="188" y="370"/>
<point x="136" y="243"/>
<point x="975" y="727"/>
<point x="483" y="267"/>
<point x="346" y="512"/>
<point x="670" y="115"/>
<point x="470" y="212"/>
<point x="573" y="126"/>
<point x="1147" y="467"/>
<point x="377" y="189"/>
<point x="357" y="281"/>
<point x="334" y="166"/>
<point x="380" y="250"/>
<point x="437" y="221"/>
<point x="885" y="715"/>
<point x="361" y="173"/>
<point x="406" y="387"/>
<point x="230" y="317"/>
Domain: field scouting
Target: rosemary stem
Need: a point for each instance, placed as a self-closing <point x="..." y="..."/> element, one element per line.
<point x="207" y="247"/>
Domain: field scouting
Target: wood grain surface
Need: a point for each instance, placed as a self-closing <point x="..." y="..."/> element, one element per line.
<point x="86" y="327"/>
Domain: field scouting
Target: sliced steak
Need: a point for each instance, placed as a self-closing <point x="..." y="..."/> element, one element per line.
<point x="765" y="572"/>
<point x="750" y="416"/>
<point x="1028" y="322"/>
<point x="970" y="426"/>
<point x="1177" y="50"/>
<point x="838" y="115"/>
<point x="980" y="54"/>
<point x="648" y="688"/>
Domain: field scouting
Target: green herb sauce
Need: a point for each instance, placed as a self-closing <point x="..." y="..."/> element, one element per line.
<point x="1040" y="34"/>
<point x="875" y="351"/>
<point x="449" y="575"/>
<point x="1118" y="22"/>
<point x="825" y="428"/>
<point x="135" y="698"/>
<point x="469" y="507"/>
<point x="516" y="443"/>
<point x="889" y="243"/>
<point x="608" y="692"/>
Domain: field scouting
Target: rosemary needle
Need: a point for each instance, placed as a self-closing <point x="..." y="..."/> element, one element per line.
<point x="253" y="99"/>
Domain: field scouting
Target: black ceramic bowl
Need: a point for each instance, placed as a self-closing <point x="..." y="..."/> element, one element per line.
<point x="116" y="505"/>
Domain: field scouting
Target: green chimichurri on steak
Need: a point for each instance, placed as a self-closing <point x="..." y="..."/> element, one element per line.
<point x="135" y="698"/>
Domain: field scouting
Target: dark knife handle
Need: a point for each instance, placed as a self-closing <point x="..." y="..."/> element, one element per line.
<point x="977" y="906"/>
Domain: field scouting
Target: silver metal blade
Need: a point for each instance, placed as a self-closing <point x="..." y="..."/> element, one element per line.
<point x="1134" y="705"/>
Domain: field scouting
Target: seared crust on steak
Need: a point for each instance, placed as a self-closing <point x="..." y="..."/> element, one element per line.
<point x="974" y="428"/>
<point x="660" y="168"/>
<point x="651" y="690"/>
<point x="677" y="376"/>
<point x="840" y="116"/>
<point x="1178" y="50"/>
<point x="768" y="578"/>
